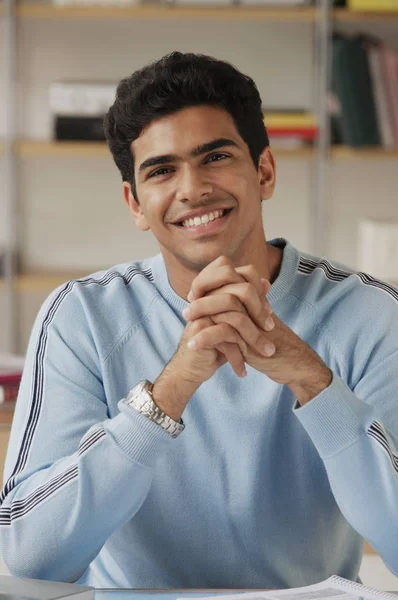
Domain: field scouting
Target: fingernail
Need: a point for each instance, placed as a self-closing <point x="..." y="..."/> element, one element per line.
<point x="190" y="296"/>
<point x="192" y="344"/>
<point x="269" y="324"/>
<point x="186" y="313"/>
<point x="243" y="372"/>
<point x="269" y="349"/>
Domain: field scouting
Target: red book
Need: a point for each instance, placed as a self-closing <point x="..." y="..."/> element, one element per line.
<point x="306" y="133"/>
<point x="8" y="393"/>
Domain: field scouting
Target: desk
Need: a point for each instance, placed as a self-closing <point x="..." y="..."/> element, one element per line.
<point x="139" y="594"/>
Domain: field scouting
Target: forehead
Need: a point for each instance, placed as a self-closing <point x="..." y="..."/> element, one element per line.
<point x="181" y="131"/>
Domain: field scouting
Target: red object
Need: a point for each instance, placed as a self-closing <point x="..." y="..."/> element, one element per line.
<point x="10" y="378"/>
<point x="8" y="393"/>
<point x="306" y="133"/>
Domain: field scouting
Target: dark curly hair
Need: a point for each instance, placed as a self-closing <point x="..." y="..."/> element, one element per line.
<point x="172" y="83"/>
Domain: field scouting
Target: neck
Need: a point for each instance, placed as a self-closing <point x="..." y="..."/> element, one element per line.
<point x="267" y="263"/>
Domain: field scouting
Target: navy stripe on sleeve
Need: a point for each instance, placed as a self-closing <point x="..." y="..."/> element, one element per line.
<point x="38" y="367"/>
<point x="307" y="266"/>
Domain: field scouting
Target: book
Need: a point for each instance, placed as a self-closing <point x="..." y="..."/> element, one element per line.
<point x="390" y="64"/>
<point x="15" y="588"/>
<point x="334" y="587"/>
<point x="376" y="5"/>
<point x="353" y="92"/>
<point x="376" y="57"/>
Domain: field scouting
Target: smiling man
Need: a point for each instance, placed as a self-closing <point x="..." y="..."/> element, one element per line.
<point x="223" y="414"/>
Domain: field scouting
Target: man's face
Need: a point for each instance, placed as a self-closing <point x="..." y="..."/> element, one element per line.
<point x="195" y="161"/>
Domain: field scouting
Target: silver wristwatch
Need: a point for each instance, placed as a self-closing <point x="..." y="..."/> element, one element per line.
<point x="140" y="398"/>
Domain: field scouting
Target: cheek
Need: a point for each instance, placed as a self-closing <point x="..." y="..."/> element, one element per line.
<point x="156" y="204"/>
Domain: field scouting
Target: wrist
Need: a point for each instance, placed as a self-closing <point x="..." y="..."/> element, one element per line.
<point x="307" y="390"/>
<point x="171" y="393"/>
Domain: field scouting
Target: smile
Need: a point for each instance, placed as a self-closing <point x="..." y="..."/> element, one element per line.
<point x="209" y="223"/>
<point x="204" y="219"/>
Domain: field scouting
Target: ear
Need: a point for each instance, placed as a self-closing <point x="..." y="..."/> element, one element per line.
<point x="134" y="208"/>
<point x="266" y="173"/>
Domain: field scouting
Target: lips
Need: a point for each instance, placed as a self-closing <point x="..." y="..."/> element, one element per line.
<point x="206" y="230"/>
<point x="200" y="213"/>
<point x="179" y="223"/>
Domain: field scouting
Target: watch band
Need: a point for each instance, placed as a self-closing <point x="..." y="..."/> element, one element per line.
<point x="140" y="398"/>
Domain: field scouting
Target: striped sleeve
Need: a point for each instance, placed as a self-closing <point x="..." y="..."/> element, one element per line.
<point x="54" y="506"/>
<point x="354" y="422"/>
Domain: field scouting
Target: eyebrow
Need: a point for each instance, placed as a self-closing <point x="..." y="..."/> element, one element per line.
<point x="198" y="151"/>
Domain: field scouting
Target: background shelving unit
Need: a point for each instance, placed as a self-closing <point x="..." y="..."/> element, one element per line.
<point x="30" y="152"/>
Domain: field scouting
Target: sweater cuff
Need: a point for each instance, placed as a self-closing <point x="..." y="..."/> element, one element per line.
<point x="335" y="419"/>
<point x="141" y="439"/>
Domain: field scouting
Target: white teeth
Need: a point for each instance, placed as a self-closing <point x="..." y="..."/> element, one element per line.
<point x="203" y="219"/>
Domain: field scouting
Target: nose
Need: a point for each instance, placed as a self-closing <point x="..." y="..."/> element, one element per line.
<point x="192" y="185"/>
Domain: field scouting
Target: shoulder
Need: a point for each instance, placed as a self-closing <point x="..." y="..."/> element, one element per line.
<point x="331" y="286"/>
<point x="101" y="306"/>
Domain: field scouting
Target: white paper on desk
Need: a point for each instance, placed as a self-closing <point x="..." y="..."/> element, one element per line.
<point x="335" y="587"/>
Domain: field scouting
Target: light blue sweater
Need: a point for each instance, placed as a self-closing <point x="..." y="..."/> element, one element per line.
<point x="256" y="491"/>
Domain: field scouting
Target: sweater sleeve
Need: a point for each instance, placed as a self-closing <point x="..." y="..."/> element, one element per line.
<point x="67" y="462"/>
<point x="354" y="427"/>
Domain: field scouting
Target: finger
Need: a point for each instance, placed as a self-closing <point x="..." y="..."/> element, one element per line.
<point x="212" y="278"/>
<point x="212" y="305"/>
<point x="252" y="335"/>
<point x="248" y="296"/>
<point x="234" y="357"/>
<point x="215" y="335"/>
<point x="267" y="286"/>
<point x="251" y="275"/>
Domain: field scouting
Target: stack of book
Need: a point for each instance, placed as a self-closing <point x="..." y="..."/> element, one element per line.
<point x="364" y="95"/>
<point x="291" y="129"/>
<point x="78" y="108"/>
<point x="372" y="5"/>
<point x="11" y="367"/>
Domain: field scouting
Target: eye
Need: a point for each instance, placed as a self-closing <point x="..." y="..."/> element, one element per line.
<point x="216" y="157"/>
<point x="159" y="172"/>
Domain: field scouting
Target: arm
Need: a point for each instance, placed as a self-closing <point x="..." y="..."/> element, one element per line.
<point x="67" y="461"/>
<point x="354" y="427"/>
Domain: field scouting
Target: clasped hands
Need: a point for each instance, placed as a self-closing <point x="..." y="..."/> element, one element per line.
<point x="243" y="329"/>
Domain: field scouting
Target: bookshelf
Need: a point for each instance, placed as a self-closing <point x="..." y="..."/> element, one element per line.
<point x="48" y="11"/>
<point x="318" y="19"/>
<point x="42" y="10"/>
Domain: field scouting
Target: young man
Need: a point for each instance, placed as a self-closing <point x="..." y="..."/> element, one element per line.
<point x="170" y="431"/>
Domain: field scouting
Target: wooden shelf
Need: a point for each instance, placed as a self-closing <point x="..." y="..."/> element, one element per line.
<point x="343" y="152"/>
<point x="43" y="282"/>
<point x="46" y="282"/>
<point x="162" y="11"/>
<point x="41" y="10"/>
<point x="52" y="148"/>
<point x="6" y="414"/>
<point x="33" y="148"/>
<point x="344" y="15"/>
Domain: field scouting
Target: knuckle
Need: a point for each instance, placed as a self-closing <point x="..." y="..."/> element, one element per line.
<point x="247" y="290"/>
<point x="223" y="260"/>
<point x="251" y="270"/>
